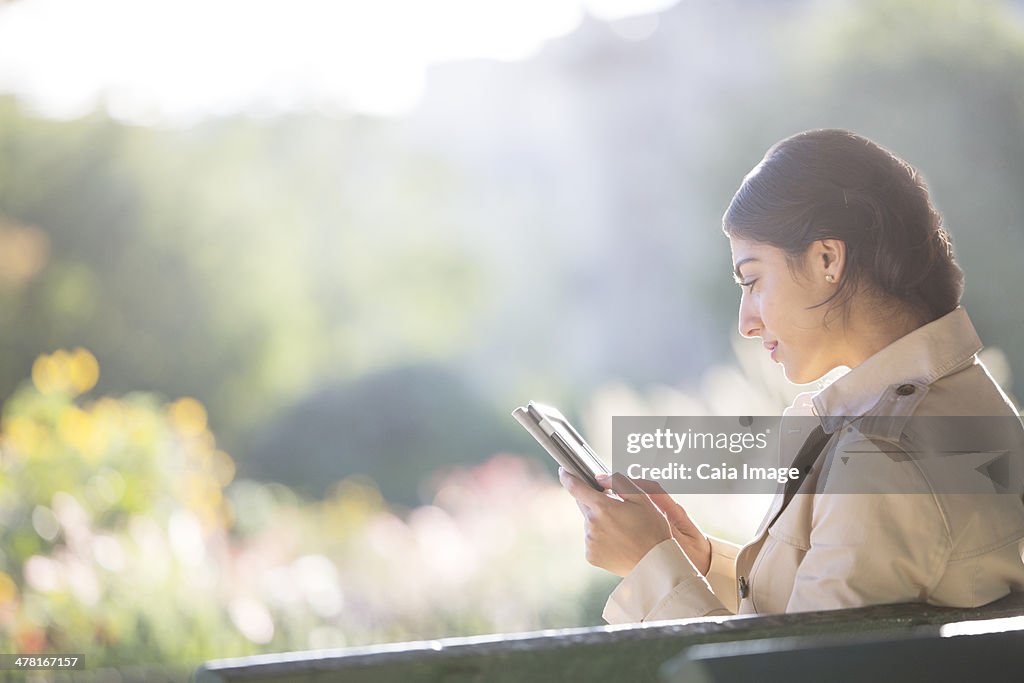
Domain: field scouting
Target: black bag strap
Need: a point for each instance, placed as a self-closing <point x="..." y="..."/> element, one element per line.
<point x="804" y="461"/>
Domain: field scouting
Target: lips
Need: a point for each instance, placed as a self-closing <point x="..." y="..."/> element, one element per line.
<point x="770" y="346"/>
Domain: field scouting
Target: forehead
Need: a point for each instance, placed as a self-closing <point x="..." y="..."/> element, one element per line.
<point x="745" y="249"/>
<point x="747" y="254"/>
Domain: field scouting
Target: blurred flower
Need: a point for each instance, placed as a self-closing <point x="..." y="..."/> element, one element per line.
<point x="25" y="436"/>
<point x="72" y="372"/>
<point x="446" y="552"/>
<point x="24" y="252"/>
<point x="318" y="579"/>
<point x="188" y="416"/>
<point x="252" y="619"/>
<point x="81" y="431"/>
<point x="105" y="488"/>
<point x="43" y="574"/>
<point x="109" y="553"/>
<point x="84" y="371"/>
<point x="222" y="467"/>
<point x="136" y="543"/>
<point x="83" y="582"/>
<point x="186" y="538"/>
<point x="45" y="523"/>
<point x="8" y="589"/>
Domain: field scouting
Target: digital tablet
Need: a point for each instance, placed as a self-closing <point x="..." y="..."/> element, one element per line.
<point x="552" y="431"/>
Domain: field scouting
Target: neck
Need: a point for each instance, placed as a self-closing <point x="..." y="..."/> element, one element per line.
<point x="867" y="334"/>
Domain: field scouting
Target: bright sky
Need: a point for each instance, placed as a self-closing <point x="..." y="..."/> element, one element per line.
<point x="178" y="60"/>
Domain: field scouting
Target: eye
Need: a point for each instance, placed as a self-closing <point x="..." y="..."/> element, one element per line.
<point x="749" y="284"/>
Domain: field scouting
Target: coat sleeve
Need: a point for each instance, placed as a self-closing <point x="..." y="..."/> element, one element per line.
<point x="877" y="534"/>
<point x="666" y="585"/>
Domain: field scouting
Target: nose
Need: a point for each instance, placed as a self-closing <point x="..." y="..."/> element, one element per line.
<point x="750" y="320"/>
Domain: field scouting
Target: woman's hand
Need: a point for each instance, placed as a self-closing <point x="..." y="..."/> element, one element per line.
<point x="620" y="529"/>
<point x="687" y="534"/>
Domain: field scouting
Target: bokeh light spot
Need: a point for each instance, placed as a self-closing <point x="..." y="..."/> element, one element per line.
<point x="84" y="370"/>
<point x="189" y="416"/>
<point x="8" y="589"/>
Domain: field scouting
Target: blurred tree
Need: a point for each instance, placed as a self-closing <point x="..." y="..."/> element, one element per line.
<point x="397" y="426"/>
<point x="241" y="262"/>
<point x="561" y="233"/>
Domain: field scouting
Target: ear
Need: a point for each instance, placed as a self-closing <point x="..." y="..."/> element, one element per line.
<point x="829" y="259"/>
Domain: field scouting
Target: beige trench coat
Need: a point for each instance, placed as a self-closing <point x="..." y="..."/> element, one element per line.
<point x="909" y="541"/>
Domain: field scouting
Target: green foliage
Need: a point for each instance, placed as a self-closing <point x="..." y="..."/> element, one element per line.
<point x="93" y="494"/>
<point x="240" y="262"/>
<point x="121" y="541"/>
<point x="398" y="427"/>
<point x="252" y="262"/>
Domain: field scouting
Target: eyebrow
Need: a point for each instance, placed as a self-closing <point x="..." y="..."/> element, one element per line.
<point x="736" y="269"/>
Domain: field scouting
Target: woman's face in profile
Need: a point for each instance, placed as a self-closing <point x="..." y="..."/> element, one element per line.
<point x="775" y="305"/>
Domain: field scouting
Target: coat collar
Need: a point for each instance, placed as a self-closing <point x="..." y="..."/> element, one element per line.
<point x="934" y="350"/>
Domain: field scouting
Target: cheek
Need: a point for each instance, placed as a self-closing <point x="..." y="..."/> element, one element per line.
<point x="785" y="315"/>
<point x="774" y="311"/>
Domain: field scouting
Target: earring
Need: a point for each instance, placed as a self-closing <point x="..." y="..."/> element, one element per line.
<point x="830" y="277"/>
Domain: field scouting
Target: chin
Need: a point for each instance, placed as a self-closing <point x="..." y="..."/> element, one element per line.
<point x="800" y="375"/>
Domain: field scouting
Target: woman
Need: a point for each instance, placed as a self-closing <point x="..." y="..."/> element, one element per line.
<point x="842" y="261"/>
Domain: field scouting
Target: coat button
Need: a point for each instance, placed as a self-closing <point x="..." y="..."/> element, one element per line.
<point x="905" y="389"/>
<point x="744" y="588"/>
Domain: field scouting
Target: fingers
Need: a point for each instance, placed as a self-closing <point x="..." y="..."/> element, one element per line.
<point x="645" y="485"/>
<point x="627" y="490"/>
<point x="621" y="484"/>
<point x="635" y="488"/>
<point x="580" y="490"/>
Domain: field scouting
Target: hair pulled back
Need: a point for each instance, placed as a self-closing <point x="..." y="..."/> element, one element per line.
<point x="834" y="184"/>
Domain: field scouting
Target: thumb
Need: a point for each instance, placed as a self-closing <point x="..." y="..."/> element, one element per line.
<point x="623" y="485"/>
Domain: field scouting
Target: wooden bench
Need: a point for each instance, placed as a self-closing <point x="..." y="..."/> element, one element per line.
<point x="628" y="653"/>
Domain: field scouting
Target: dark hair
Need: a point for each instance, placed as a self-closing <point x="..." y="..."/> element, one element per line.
<point x="823" y="184"/>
